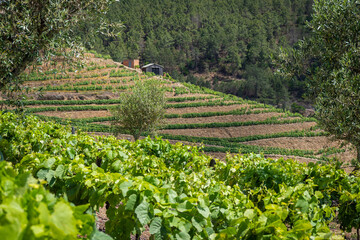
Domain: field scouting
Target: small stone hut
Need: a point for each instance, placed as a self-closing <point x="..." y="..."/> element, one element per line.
<point x="132" y="63"/>
<point x="155" y="68"/>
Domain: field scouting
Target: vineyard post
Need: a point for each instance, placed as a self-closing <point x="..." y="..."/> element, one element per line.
<point x="212" y="163"/>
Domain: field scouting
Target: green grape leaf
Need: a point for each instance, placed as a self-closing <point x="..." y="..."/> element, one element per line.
<point x="116" y="165"/>
<point x="13" y="220"/>
<point x="196" y="224"/>
<point x="250" y="213"/>
<point x="303" y="205"/>
<point x="62" y="221"/>
<point x="300" y="227"/>
<point x="182" y="236"/>
<point x="71" y="152"/>
<point x="59" y="171"/>
<point x="97" y="235"/>
<point x="142" y="212"/>
<point x="319" y="195"/>
<point x="109" y="155"/>
<point x="130" y="204"/>
<point x="48" y="163"/>
<point x="155" y="225"/>
<point x="123" y="155"/>
<point x="124" y="187"/>
<point x="38" y="230"/>
<point x="172" y="196"/>
<point x="204" y="211"/>
<point x="184" y="206"/>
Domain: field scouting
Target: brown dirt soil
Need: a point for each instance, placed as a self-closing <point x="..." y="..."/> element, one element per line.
<point x="101" y="219"/>
<point x="190" y="95"/>
<point x="191" y="101"/>
<point x="223" y="119"/>
<point x="303" y="143"/>
<point x="173" y="103"/>
<point x="106" y="123"/>
<point x="308" y="143"/>
<point x="214" y="119"/>
<point x="218" y="155"/>
<point x="88" y="114"/>
<point x="74" y="96"/>
<point x="289" y="118"/>
<point x="205" y="109"/>
<point x="346" y="156"/>
<point x="41" y="106"/>
<point x="77" y="114"/>
<point x="242" y="131"/>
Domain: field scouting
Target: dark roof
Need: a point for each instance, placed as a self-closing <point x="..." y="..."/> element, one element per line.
<point x="151" y="64"/>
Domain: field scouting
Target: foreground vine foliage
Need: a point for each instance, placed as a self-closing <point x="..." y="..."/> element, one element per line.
<point x="169" y="188"/>
<point x="28" y="211"/>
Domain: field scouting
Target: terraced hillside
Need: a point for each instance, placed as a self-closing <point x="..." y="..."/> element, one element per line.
<point x="223" y="123"/>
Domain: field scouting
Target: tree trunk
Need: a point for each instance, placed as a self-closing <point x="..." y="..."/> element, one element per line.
<point x="136" y="136"/>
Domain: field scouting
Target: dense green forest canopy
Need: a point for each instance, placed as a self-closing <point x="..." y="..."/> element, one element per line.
<point x="233" y="38"/>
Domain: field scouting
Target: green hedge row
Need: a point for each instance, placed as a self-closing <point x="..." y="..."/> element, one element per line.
<point x="237" y="124"/>
<point x="255" y="149"/>
<point x="98" y="101"/>
<point x="68" y="108"/>
<point x="232" y="145"/>
<point x="235" y="112"/>
<point x="220" y="146"/>
<point x="71" y="102"/>
<point x="183" y="99"/>
<point x="240" y="111"/>
<point x="303" y="133"/>
<point x="122" y="74"/>
<point x="202" y="104"/>
<point x="84" y="108"/>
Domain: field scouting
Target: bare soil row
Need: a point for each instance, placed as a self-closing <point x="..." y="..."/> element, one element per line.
<point x="243" y="131"/>
<point x="88" y="114"/>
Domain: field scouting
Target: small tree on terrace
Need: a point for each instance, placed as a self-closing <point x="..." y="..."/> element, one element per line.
<point x="142" y="110"/>
<point x="329" y="60"/>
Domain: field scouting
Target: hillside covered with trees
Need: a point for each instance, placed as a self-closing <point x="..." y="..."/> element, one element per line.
<point x="226" y="44"/>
